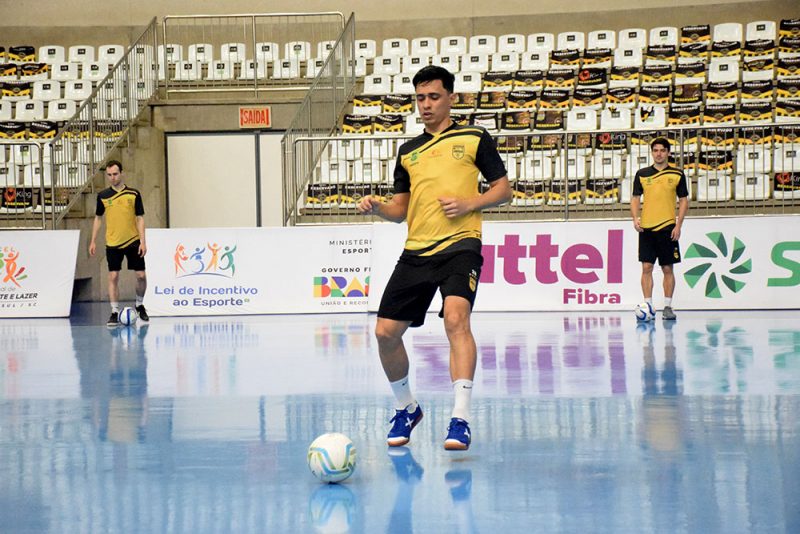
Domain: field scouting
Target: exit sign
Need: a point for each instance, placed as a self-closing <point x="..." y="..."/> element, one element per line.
<point x="255" y="117"/>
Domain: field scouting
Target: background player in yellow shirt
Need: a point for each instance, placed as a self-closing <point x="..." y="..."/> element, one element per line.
<point x="125" y="237"/>
<point x="659" y="229"/>
<point x="436" y="191"/>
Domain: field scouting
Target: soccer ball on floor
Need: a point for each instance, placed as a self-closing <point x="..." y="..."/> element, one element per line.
<point x="128" y="316"/>
<point x="644" y="312"/>
<point x="332" y="457"/>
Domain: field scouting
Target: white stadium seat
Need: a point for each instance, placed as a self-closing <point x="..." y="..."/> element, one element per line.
<point x="81" y="54"/>
<point x="297" y="51"/>
<point x="171" y="52"/>
<point x="6" y="112"/>
<point x="267" y="52"/>
<point x="61" y="110"/>
<point x="571" y="41"/>
<point x="751" y="187"/>
<point x="483" y="44"/>
<point x="77" y="90"/>
<point x="511" y="42"/>
<point x="448" y="61"/>
<point x="366" y="48"/>
<point x="424" y="46"/>
<point x="401" y="84"/>
<point x="723" y="70"/>
<point x="413" y="63"/>
<point x="395" y="47"/>
<point x="505" y="61"/>
<point x="468" y="82"/>
<point x="94" y="71"/>
<point x="377" y="84"/>
<point x="47" y="90"/>
<point x="632" y="38"/>
<point x="200" y="53"/>
<point x="760" y="29"/>
<point x="581" y="119"/>
<point x="386" y="65"/>
<point x="453" y="44"/>
<point x="51" y="54"/>
<point x="29" y="110"/>
<point x="64" y="71"/>
<point x="615" y="118"/>
<point x="475" y="63"/>
<point x="541" y="41"/>
<point x="286" y="69"/>
<point x="187" y="70"/>
<point x="324" y="48"/>
<point x="535" y="60"/>
<point x="251" y="70"/>
<point x="220" y="70"/>
<point x="110" y="53"/>
<point x="233" y="52"/>
<point x="727" y="32"/>
<point x="664" y="35"/>
<point x="601" y="39"/>
<point x="628" y="57"/>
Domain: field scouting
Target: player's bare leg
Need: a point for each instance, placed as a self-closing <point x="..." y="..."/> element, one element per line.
<point x="669" y="288"/>
<point x="647" y="280"/>
<point x="394" y="360"/>
<point x="394" y="357"/>
<point x="463" y="360"/>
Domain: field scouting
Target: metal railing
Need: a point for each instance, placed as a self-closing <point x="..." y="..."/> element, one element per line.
<point x="564" y="175"/>
<point x="245" y="52"/>
<point x="46" y="175"/>
<point x="317" y="118"/>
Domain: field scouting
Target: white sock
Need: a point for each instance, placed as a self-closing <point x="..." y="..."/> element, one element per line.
<point x="115" y="307"/>
<point x="649" y="301"/>
<point x="139" y="300"/>
<point x="463" y="390"/>
<point x="668" y="301"/>
<point x="402" y="394"/>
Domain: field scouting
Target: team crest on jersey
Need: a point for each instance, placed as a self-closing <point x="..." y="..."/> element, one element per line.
<point x="458" y="151"/>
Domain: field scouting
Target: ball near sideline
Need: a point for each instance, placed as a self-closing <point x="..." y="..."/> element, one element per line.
<point x="644" y="312"/>
<point x="332" y="457"/>
<point x="128" y="316"/>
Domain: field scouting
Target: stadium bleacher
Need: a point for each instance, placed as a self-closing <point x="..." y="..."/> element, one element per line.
<point x="726" y="75"/>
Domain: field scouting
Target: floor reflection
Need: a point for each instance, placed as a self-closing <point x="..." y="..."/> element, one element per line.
<point x="590" y="424"/>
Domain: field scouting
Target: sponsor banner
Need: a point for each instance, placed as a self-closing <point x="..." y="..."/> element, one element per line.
<point x="37" y="271"/>
<point x="258" y="270"/>
<point x="728" y="263"/>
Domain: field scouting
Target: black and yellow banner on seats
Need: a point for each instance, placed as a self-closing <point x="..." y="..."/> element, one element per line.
<point x="13" y="130"/>
<point x="402" y="104"/>
<point x="22" y="54"/>
<point x="357" y="124"/>
<point x="388" y="124"/>
<point x="42" y="129"/>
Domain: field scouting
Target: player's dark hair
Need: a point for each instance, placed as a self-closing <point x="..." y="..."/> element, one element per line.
<point x="661" y="141"/>
<point x="113" y="162"/>
<point x="435" y="72"/>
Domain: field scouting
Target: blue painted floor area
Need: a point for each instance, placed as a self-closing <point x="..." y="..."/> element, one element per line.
<point x="581" y="423"/>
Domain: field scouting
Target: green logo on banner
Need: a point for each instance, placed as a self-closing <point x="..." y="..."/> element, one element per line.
<point x="724" y="266"/>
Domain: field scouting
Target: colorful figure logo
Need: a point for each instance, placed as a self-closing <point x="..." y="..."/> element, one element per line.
<point x="212" y="259"/>
<point x="9" y="270"/>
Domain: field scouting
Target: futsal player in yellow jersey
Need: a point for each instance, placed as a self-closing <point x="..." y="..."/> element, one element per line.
<point x="436" y="191"/>
<point x="655" y="220"/>
<point x="125" y="237"/>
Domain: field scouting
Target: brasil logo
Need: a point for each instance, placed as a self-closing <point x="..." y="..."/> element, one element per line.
<point x="723" y="268"/>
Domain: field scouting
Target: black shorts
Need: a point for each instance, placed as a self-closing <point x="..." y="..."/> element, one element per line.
<point x="659" y="245"/>
<point x="413" y="284"/>
<point x="114" y="257"/>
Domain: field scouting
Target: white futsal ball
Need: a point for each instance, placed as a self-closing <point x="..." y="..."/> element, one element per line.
<point x="332" y="457"/>
<point x="127" y="316"/>
<point x="644" y="312"/>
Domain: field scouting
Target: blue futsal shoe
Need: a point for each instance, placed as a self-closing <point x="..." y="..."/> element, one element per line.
<point x="403" y="423"/>
<point x="458" y="435"/>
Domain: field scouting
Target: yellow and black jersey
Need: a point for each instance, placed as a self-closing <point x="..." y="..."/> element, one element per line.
<point x="121" y="209"/>
<point x="660" y="189"/>
<point x="432" y="166"/>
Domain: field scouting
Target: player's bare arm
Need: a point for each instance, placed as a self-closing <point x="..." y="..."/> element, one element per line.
<point x="98" y="221"/>
<point x="395" y="210"/>
<point x="636" y="203"/>
<point x="499" y="192"/>
<point x="142" y="242"/>
<point x="683" y="207"/>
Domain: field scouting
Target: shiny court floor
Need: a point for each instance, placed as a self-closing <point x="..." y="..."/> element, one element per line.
<point x="581" y="423"/>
